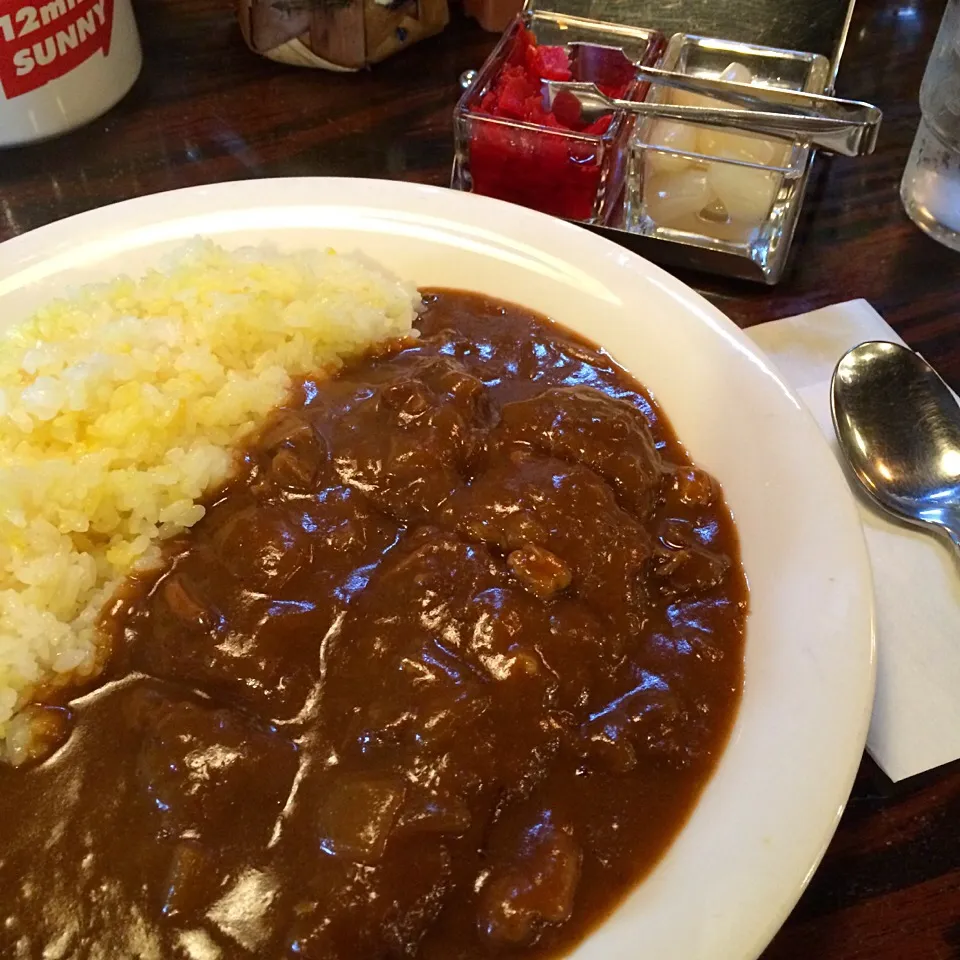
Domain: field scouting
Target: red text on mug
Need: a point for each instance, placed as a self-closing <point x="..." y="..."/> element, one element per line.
<point x="40" y="42"/>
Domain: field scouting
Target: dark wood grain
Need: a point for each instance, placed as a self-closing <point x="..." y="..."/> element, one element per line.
<point x="205" y="109"/>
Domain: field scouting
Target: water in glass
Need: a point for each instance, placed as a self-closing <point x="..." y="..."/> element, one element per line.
<point x="930" y="188"/>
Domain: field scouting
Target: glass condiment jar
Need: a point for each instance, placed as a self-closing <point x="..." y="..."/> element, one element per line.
<point x="507" y="145"/>
<point x="718" y="188"/>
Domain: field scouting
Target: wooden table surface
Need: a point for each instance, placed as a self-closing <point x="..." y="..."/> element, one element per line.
<point x="205" y="109"/>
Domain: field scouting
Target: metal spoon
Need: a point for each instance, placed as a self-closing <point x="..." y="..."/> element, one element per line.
<point x="899" y="427"/>
<point x="849" y="129"/>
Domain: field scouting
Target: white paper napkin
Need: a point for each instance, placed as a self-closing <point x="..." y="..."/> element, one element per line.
<point x="916" y="714"/>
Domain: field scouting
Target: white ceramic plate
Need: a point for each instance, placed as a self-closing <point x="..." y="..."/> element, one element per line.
<point x="766" y="816"/>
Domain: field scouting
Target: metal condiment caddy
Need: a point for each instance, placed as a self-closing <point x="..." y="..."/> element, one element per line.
<point x="683" y="194"/>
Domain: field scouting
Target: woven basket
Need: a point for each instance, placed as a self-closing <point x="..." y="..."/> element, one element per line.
<point x="339" y="35"/>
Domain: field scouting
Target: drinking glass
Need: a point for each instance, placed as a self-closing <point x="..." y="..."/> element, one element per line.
<point x="930" y="189"/>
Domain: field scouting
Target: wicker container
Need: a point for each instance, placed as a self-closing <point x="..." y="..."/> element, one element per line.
<point x="341" y="35"/>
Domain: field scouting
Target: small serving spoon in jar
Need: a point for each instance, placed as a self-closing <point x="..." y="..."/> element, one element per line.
<point x="850" y="129"/>
<point x="847" y="127"/>
<point x="898" y="426"/>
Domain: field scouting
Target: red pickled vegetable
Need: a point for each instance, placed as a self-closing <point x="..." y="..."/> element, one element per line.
<point x="544" y="168"/>
<point x="516" y="93"/>
<point x="553" y="63"/>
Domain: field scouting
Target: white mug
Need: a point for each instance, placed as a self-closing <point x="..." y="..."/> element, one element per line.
<point x="62" y="63"/>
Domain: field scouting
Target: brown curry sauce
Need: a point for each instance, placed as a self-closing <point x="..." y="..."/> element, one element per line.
<point x="441" y="674"/>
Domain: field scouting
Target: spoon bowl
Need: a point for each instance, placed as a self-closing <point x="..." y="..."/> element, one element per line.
<point x="898" y="426"/>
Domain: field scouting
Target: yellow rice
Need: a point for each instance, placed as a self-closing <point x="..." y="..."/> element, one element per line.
<point x="122" y="406"/>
